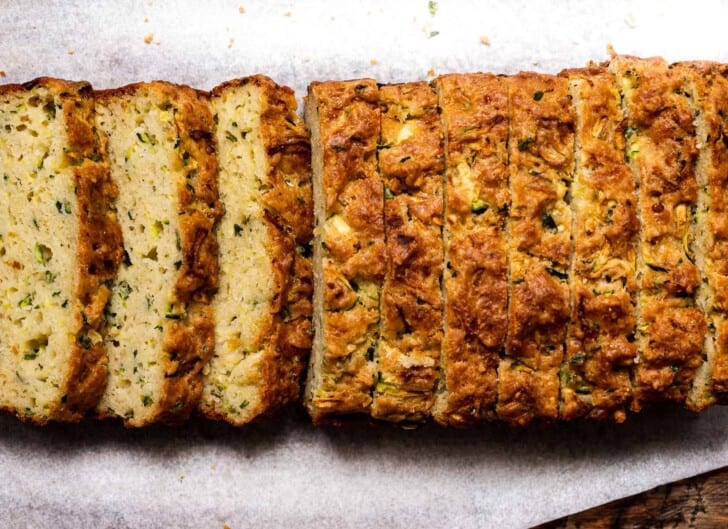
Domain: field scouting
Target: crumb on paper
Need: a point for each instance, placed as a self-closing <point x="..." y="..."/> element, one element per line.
<point x="287" y="14"/>
<point x="306" y="58"/>
<point x="484" y="40"/>
<point x="2" y="73"/>
<point x="149" y="38"/>
<point x="432" y="8"/>
<point x="373" y="62"/>
<point x="230" y="44"/>
<point x="630" y="20"/>
<point x="71" y="52"/>
<point x="430" y="73"/>
<point x="241" y="9"/>
<point x="225" y="526"/>
<point x="146" y="19"/>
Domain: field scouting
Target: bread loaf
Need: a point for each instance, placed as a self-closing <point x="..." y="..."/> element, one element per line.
<point x="59" y="247"/>
<point x="348" y="259"/>
<point x="263" y="306"/>
<point x="161" y="325"/>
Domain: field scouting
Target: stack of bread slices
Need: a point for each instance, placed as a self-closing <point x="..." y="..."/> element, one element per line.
<point x="523" y="248"/>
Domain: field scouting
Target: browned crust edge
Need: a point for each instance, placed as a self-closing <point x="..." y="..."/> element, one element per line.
<point x="411" y="169"/>
<point x="474" y="112"/>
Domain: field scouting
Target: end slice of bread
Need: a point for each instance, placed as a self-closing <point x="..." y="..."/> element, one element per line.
<point x="60" y="246"/>
<point x="411" y="165"/>
<point x="161" y="325"/>
<point x="474" y="114"/>
<point x="263" y="306"/>
<point x="348" y="258"/>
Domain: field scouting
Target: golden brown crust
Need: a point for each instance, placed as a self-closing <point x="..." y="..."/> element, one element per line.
<point x="595" y="376"/>
<point x="541" y="145"/>
<point x="411" y="166"/>
<point x="289" y="204"/>
<point x="345" y="117"/>
<point x="189" y="342"/>
<point x="474" y="112"/>
<point x="99" y="248"/>
<point x="709" y="83"/>
<point x="662" y="149"/>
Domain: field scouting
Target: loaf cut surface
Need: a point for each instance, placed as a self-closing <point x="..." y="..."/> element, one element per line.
<point x="662" y="150"/>
<point x="344" y="120"/>
<point x="541" y="158"/>
<point x="59" y="247"/>
<point x="411" y="165"/>
<point x="474" y="113"/>
<point x="161" y="325"/>
<point x="600" y="349"/>
<point x="263" y="305"/>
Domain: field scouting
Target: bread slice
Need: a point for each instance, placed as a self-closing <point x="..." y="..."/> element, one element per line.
<point x="600" y="351"/>
<point x="662" y="150"/>
<point x="541" y="151"/>
<point x="708" y="88"/>
<point x="59" y="247"/>
<point x="411" y="165"/>
<point x="348" y="257"/>
<point x="262" y="310"/>
<point x="474" y="113"/>
<point x="161" y="326"/>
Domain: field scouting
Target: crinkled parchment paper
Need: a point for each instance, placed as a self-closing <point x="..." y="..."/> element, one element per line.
<point x="286" y="473"/>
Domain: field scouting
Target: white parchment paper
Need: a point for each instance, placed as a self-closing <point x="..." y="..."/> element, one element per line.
<point x="286" y="473"/>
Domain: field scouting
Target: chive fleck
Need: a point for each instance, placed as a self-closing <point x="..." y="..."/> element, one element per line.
<point x="238" y="230"/>
<point x="26" y="301"/>
<point x="524" y="145"/>
<point x="547" y="221"/>
<point x="537" y="95"/>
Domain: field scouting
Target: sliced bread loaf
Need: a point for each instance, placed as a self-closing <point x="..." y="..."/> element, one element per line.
<point x="474" y="113"/>
<point x="161" y="327"/>
<point x="348" y="256"/>
<point x="263" y="306"/>
<point x="59" y="247"/>
<point x="411" y="165"/>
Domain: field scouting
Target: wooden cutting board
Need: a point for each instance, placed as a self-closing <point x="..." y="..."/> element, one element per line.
<point x="700" y="502"/>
